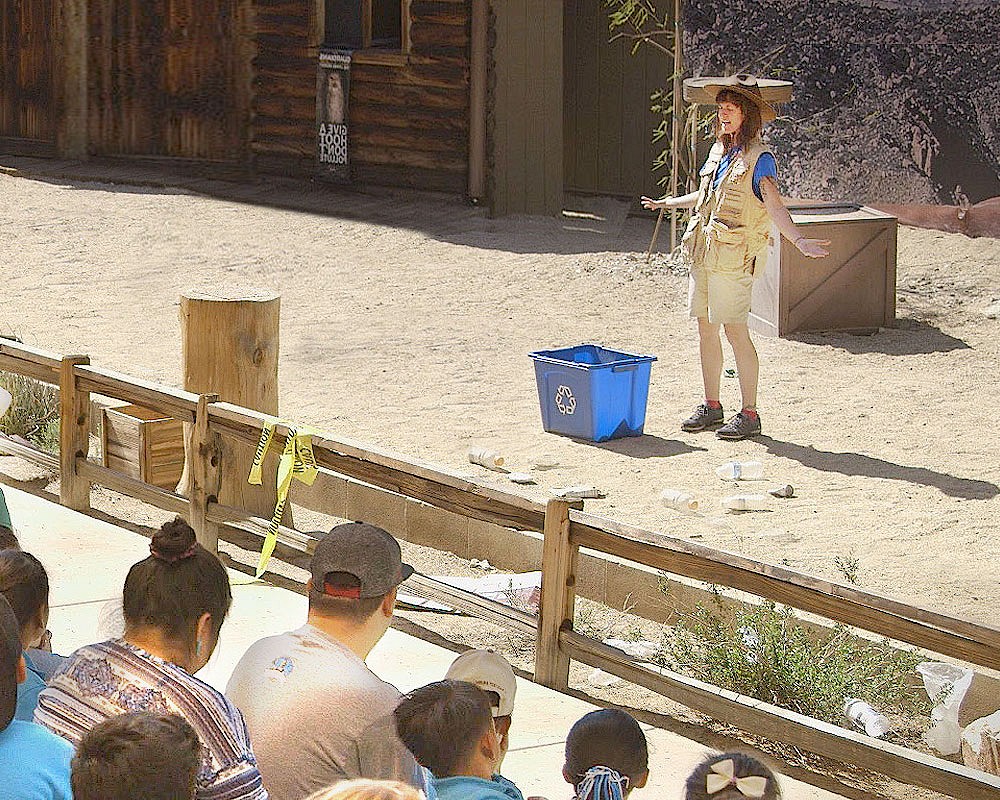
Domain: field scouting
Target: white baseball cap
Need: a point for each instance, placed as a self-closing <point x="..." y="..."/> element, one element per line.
<point x="491" y="673"/>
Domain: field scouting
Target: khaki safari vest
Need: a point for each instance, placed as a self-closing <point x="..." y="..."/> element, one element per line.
<point x="730" y="226"/>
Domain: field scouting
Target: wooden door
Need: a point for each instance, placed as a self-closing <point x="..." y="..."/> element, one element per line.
<point x="163" y="79"/>
<point x="26" y="96"/>
<point x="608" y="126"/>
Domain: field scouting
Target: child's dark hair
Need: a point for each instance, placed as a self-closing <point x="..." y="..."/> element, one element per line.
<point x="722" y="777"/>
<point x="610" y="739"/>
<point x="178" y="583"/>
<point x="153" y="756"/>
<point x="441" y="724"/>
<point x="8" y="539"/>
<point x="25" y="584"/>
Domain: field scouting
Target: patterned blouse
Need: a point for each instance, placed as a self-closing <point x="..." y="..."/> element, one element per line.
<point x="103" y="680"/>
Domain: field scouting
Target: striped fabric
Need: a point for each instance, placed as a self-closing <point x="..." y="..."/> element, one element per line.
<point x="103" y="680"/>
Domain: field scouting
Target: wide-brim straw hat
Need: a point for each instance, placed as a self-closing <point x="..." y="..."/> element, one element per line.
<point x="745" y="85"/>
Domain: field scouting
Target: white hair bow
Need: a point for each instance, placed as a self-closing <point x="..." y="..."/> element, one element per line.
<point x="722" y="776"/>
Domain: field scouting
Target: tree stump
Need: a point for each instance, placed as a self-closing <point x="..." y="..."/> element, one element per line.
<point x="230" y="348"/>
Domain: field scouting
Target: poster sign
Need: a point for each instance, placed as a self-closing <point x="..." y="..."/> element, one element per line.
<point x="332" y="90"/>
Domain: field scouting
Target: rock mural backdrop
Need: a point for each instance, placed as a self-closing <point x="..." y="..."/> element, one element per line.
<point x="895" y="101"/>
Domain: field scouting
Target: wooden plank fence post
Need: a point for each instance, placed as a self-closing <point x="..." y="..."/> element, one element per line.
<point x="205" y="450"/>
<point x="558" y="597"/>
<point x="74" y="435"/>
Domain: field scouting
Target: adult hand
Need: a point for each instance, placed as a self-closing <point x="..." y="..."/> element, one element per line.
<point x="814" y="248"/>
<point x="652" y="205"/>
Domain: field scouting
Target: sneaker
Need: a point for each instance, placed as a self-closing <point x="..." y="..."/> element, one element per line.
<point x="741" y="426"/>
<point x="704" y="416"/>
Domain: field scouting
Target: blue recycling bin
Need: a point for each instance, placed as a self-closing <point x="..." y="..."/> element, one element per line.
<point x="590" y="392"/>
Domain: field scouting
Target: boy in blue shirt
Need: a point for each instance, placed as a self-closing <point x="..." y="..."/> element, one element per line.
<point x="34" y="764"/>
<point x="448" y="726"/>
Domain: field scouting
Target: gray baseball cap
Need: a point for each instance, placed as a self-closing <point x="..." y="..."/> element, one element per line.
<point x="365" y="551"/>
<point x="10" y="656"/>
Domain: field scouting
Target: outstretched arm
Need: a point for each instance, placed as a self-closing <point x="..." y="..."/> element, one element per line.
<point x="683" y="201"/>
<point x="814" y="248"/>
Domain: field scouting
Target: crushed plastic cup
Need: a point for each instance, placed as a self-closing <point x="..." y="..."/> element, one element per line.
<point x="745" y="502"/>
<point x="682" y="501"/>
<point x="740" y="471"/>
<point x="490" y="459"/>
<point x="864" y="716"/>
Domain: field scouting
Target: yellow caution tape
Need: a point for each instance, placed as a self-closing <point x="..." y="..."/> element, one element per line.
<point x="297" y="461"/>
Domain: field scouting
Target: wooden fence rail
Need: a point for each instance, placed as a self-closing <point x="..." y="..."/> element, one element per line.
<point x="566" y="528"/>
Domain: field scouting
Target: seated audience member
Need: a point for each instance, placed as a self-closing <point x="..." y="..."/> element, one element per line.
<point x="140" y="756"/>
<point x="175" y="602"/>
<point x="25" y="584"/>
<point x="494" y="675"/>
<point x="448" y="726"/>
<point x="731" y="776"/>
<point x="362" y="789"/>
<point x="606" y="756"/>
<point x="317" y="715"/>
<point x="8" y="540"/>
<point x="33" y="763"/>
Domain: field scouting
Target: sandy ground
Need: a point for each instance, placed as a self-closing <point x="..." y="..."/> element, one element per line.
<point x="407" y="320"/>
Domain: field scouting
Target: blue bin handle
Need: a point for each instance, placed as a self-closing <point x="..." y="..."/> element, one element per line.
<point x="624" y="367"/>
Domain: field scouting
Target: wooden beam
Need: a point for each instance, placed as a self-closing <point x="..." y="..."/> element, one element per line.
<point x="558" y="597"/>
<point x="174" y="403"/>
<point x="42" y="365"/>
<point x="205" y="452"/>
<point x="473" y="604"/>
<point x="74" y="435"/>
<point x="133" y="487"/>
<point x="69" y="50"/>
<point x="781" y="725"/>
<point x="34" y="455"/>
<point x="414" y="479"/>
<point x="958" y="638"/>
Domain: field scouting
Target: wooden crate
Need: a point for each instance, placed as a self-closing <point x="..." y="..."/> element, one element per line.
<point x="852" y="289"/>
<point x="143" y="444"/>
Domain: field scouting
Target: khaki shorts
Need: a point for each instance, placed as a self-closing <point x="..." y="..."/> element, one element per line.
<point x="721" y="297"/>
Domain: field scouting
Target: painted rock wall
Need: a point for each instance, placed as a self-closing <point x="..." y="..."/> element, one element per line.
<point x="895" y="100"/>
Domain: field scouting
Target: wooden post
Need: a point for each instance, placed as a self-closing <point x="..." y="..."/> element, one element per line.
<point x="70" y="77"/>
<point x="74" y="435"/>
<point x="206" y="474"/>
<point x="230" y="348"/>
<point x="478" y="57"/>
<point x="675" y="121"/>
<point x="558" y="597"/>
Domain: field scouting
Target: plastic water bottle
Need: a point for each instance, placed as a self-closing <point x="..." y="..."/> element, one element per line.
<point x="490" y="459"/>
<point x="864" y="716"/>
<point x="682" y="501"/>
<point x="740" y="471"/>
<point x="745" y="502"/>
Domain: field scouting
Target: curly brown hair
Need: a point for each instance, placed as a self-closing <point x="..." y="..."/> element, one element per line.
<point x="752" y="124"/>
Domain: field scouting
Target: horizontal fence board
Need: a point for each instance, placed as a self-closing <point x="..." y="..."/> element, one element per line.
<point x="419" y="481"/>
<point x="174" y="403"/>
<point x="958" y="638"/>
<point x="33" y="362"/>
<point x="32" y="454"/>
<point x="470" y="603"/>
<point x="782" y="725"/>
<point x="154" y="496"/>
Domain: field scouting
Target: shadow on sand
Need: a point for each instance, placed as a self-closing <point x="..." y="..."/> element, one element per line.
<point x="857" y="464"/>
<point x="910" y="337"/>
<point x="646" y="446"/>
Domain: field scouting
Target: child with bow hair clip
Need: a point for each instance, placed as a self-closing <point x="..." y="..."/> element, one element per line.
<point x="732" y="776"/>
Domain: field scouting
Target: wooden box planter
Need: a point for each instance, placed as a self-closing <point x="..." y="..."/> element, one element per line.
<point x="143" y="444"/>
<point x="852" y="289"/>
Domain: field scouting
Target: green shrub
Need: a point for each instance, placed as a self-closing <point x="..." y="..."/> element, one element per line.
<point x="764" y="652"/>
<point x="34" y="412"/>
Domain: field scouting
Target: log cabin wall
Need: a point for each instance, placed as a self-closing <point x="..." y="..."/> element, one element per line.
<point x="408" y="112"/>
<point x="27" y="119"/>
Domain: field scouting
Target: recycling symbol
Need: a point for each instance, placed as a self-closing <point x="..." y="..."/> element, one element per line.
<point x="565" y="401"/>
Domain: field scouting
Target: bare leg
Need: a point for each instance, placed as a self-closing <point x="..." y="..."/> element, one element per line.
<point x="747" y="363"/>
<point x="710" y="349"/>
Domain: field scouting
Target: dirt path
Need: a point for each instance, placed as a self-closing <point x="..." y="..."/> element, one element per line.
<point x="407" y="323"/>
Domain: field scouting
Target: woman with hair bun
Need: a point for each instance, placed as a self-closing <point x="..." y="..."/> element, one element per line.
<point x="174" y="603"/>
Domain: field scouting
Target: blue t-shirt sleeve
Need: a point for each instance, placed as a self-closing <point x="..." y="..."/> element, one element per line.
<point x="766" y="167"/>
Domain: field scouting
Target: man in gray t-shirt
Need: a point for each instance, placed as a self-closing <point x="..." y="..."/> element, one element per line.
<point x="316" y="714"/>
